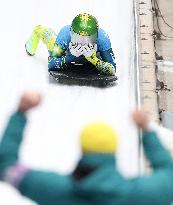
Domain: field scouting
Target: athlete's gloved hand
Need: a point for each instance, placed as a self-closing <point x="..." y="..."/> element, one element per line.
<point x="88" y="50"/>
<point x="107" y="68"/>
<point x="76" y="49"/>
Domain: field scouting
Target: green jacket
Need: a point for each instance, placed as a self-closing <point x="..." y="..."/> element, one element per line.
<point x="103" y="185"/>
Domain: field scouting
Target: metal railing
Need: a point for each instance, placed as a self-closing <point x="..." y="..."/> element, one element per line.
<point x="137" y="68"/>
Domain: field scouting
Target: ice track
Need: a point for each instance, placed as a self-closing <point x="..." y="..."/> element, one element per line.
<point x="51" y="137"/>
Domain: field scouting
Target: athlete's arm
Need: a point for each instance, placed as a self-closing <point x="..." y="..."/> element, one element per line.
<point x="107" y="66"/>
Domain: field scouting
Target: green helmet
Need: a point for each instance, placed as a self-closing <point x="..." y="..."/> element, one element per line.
<point x="85" y="25"/>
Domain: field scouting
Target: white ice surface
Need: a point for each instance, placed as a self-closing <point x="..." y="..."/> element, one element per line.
<point x="51" y="137"/>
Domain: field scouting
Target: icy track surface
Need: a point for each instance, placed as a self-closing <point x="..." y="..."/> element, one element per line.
<point x="51" y="136"/>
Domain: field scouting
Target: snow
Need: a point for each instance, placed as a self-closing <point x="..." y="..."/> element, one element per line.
<point x="51" y="136"/>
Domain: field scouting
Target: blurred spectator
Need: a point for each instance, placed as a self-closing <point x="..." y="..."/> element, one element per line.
<point x="95" y="179"/>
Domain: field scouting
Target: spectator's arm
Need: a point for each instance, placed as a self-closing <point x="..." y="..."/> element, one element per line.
<point x="158" y="156"/>
<point x="11" y="140"/>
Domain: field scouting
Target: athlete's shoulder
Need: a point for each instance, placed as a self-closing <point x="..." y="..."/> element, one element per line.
<point x="102" y="34"/>
<point x="103" y="40"/>
<point x="65" y="29"/>
<point x="63" y="37"/>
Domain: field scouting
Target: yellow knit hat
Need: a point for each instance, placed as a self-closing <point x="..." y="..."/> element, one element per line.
<point x="98" y="138"/>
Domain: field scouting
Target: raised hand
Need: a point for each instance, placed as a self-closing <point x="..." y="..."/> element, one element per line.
<point x="29" y="99"/>
<point x="141" y="119"/>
